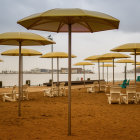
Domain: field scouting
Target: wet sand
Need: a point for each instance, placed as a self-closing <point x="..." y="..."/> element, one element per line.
<point x="45" y="118"/>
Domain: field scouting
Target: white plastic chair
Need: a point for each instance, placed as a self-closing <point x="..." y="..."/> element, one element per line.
<point x="10" y="96"/>
<point x="130" y="94"/>
<point x="115" y="95"/>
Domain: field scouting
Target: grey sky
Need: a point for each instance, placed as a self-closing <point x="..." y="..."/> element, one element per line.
<point x="83" y="44"/>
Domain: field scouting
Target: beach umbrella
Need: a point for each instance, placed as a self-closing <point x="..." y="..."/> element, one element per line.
<point x="125" y="61"/>
<point x="97" y="58"/>
<point x="137" y="63"/>
<point x="70" y="20"/>
<point x="22" y="39"/>
<point x="94" y="57"/>
<point x="107" y="65"/>
<point x="24" y="52"/>
<point x="103" y="61"/>
<point x="113" y="56"/>
<point x="129" y="47"/>
<point x="83" y="64"/>
<point x="57" y="55"/>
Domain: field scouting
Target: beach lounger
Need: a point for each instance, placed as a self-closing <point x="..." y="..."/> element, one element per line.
<point x="115" y="95"/>
<point x="102" y="86"/>
<point x="48" y="92"/>
<point x="62" y="91"/>
<point x="130" y="94"/>
<point x="10" y="96"/>
<point x="94" y="88"/>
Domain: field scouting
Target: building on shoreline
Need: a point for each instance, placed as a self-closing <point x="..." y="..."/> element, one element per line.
<point x="49" y="71"/>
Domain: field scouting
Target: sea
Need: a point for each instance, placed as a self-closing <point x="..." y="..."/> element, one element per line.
<point x="39" y="79"/>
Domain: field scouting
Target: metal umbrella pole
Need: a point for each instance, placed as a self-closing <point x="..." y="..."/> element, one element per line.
<point x="107" y="75"/>
<point x="84" y="74"/>
<point x="99" y="72"/>
<point x="20" y="81"/>
<point x="58" y="75"/>
<point x="103" y="70"/>
<point x="69" y="79"/>
<point x="125" y="71"/>
<point x="113" y="71"/>
<point x="135" y="65"/>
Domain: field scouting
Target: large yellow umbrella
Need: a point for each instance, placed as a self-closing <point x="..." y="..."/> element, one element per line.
<point x="125" y="61"/>
<point x="83" y="64"/>
<point x="22" y="39"/>
<point x="70" y="20"/>
<point x="94" y="57"/>
<point x="113" y="56"/>
<point x="24" y="52"/>
<point x="103" y="61"/>
<point x="107" y="65"/>
<point x="57" y="55"/>
<point x="129" y="47"/>
<point x="97" y="58"/>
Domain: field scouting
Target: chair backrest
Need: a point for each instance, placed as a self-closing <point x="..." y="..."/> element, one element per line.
<point x="124" y="81"/>
<point x="131" y="89"/>
<point x="128" y="82"/>
<point x="95" y="83"/>
<point x="102" y="83"/>
<point x="115" y="89"/>
<point x="62" y="84"/>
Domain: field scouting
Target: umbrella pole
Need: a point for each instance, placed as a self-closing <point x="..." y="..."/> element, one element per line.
<point x="107" y="75"/>
<point x="20" y="82"/>
<point x="135" y="67"/>
<point x="58" y="75"/>
<point x="52" y="65"/>
<point x="84" y="74"/>
<point x="69" y="80"/>
<point x="103" y="70"/>
<point x="113" y="71"/>
<point x="125" y="71"/>
<point x="22" y="77"/>
<point x="99" y="73"/>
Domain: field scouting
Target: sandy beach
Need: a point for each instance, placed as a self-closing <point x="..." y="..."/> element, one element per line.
<point x="45" y="118"/>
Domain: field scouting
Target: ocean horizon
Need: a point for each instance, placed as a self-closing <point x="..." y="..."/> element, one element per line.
<point x="39" y="79"/>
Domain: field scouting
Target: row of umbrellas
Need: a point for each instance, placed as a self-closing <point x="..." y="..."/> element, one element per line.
<point x="62" y="20"/>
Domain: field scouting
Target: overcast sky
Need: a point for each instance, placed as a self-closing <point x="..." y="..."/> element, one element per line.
<point x="83" y="44"/>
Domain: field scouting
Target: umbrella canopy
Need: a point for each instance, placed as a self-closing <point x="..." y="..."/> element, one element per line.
<point x="124" y="61"/>
<point x="113" y="56"/>
<point x="25" y="38"/>
<point x="107" y="65"/>
<point x="57" y="20"/>
<point x="24" y="52"/>
<point x="137" y="63"/>
<point x="137" y="53"/>
<point x="103" y="61"/>
<point x="83" y="64"/>
<point x="22" y="39"/>
<point x="129" y="47"/>
<point x="57" y="55"/>
<point x="70" y="20"/>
